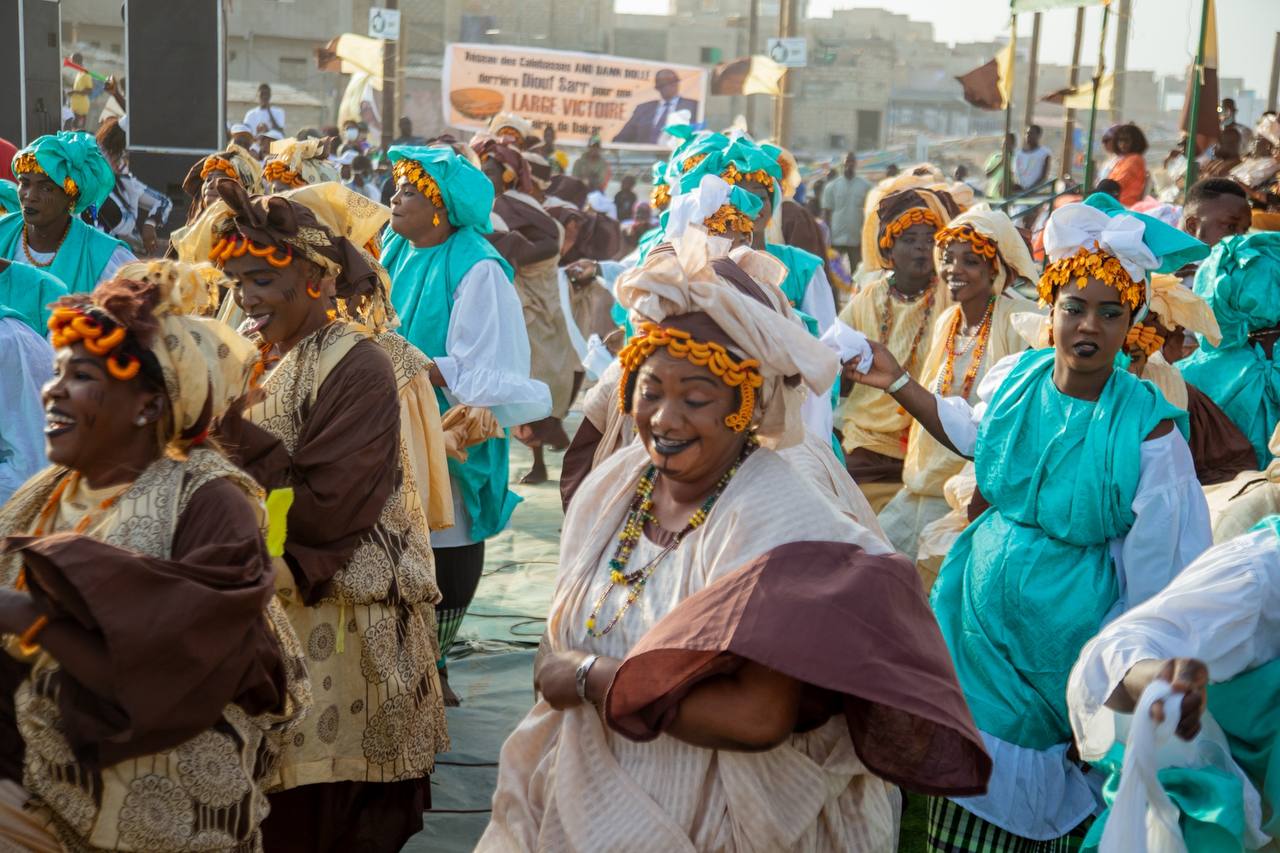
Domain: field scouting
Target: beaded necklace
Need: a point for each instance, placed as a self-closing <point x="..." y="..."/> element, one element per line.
<point x="978" y="344"/>
<point x="26" y="247"/>
<point x="927" y="295"/>
<point x="640" y="512"/>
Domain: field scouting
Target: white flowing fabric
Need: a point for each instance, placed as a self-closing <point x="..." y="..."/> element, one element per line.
<point x="487" y="366"/>
<point x="1143" y="819"/>
<point x="1223" y="609"/>
<point x="567" y="782"/>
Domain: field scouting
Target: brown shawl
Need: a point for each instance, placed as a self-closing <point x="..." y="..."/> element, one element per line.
<point x="872" y="646"/>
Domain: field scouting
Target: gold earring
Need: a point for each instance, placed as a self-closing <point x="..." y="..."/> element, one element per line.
<point x="435" y="220"/>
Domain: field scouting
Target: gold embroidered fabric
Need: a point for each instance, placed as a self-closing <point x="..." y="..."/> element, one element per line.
<point x="205" y="794"/>
<point x="370" y="642"/>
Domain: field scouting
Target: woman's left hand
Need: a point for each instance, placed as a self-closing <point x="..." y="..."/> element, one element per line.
<point x="556" y="678"/>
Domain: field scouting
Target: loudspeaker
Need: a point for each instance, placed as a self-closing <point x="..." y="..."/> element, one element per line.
<point x="31" y="60"/>
<point x="176" y="89"/>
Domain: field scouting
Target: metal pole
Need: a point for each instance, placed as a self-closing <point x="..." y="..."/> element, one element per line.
<point x="1006" y="155"/>
<point x="1124" y="14"/>
<point x="753" y="44"/>
<point x="1098" y="72"/>
<point x="781" y="105"/>
<point x="1033" y="70"/>
<point x="1068" y="146"/>
<point x="388" y="86"/>
<point x="1273" y="95"/>
<point x="1193" y="117"/>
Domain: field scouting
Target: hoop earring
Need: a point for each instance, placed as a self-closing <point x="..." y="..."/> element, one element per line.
<point x="314" y="293"/>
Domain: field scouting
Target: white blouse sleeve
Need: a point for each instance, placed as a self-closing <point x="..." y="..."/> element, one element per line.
<point x="960" y="420"/>
<point x="119" y="258"/>
<point x="488" y="350"/>
<point x="818" y="302"/>
<point x="1223" y="609"/>
<point x="1171" y="522"/>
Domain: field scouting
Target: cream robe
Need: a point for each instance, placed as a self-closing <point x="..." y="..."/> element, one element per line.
<point x="928" y="465"/>
<point x="868" y="417"/>
<point x="566" y="782"/>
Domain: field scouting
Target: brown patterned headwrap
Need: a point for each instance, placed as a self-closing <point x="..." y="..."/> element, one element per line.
<point x="270" y="220"/>
<point x="515" y="169"/>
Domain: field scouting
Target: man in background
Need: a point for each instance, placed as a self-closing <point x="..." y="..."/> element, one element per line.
<point x="624" y="200"/>
<point x="81" y="92"/>
<point x="844" y="198"/>
<point x="1031" y="162"/>
<point x="592" y="167"/>
<point x="406" y="136"/>
<point x="264" y="116"/>
<point x="649" y="121"/>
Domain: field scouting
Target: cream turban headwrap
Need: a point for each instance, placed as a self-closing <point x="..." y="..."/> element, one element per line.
<point x="681" y="280"/>
<point x="1178" y="305"/>
<point x="205" y="363"/>
<point x="1012" y="255"/>
<point x="296" y="163"/>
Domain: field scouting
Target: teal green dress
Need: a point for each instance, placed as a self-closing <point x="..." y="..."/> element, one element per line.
<point x="1241" y="283"/>
<point x="80" y="261"/>
<point x="27" y="292"/>
<point x="423" y="285"/>
<point x="1031" y="580"/>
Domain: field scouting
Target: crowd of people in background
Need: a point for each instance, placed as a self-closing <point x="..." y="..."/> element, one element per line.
<point x="890" y="491"/>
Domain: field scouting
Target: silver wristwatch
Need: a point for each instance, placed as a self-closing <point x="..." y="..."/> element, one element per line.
<point x="580" y="677"/>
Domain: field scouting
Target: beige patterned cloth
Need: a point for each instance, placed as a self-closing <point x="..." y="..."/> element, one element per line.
<point x="370" y="641"/>
<point x="206" y="794"/>
<point x="567" y="782"/>
<point x="305" y="160"/>
<point x="1237" y="505"/>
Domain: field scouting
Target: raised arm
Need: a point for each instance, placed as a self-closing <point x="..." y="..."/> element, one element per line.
<point x="885" y="373"/>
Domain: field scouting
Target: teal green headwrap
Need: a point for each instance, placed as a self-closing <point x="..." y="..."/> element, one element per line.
<point x="1173" y="247"/>
<point x="9" y="202"/>
<point x="1241" y="283"/>
<point x="466" y="192"/>
<point x="723" y="155"/>
<point x="70" y="155"/>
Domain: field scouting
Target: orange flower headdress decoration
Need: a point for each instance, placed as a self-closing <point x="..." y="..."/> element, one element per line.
<point x="412" y="171"/>
<point x="1088" y="263"/>
<point x="26" y="164"/>
<point x="978" y="242"/>
<point x="743" y="375"/>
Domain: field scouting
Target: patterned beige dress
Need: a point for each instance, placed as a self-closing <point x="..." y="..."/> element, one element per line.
<point x="358" y="580"/>
<point x="207" y="792"/>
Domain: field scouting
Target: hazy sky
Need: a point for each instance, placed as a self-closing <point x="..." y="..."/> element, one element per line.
<point x="1161" y="36"/>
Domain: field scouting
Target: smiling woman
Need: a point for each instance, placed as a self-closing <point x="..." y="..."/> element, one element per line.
<point x="137" y="603"/>
<point x="1094" y="506"/>
<point x="674" y="686"/>
<point x="356" y="576"/>
<point x="979" y="255"/>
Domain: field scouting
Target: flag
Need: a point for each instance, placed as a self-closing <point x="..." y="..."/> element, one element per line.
<point x="352" y="54"/>
<point x="990" y="86"/>
<point x="1081" y="97"/>
<point x="1207" y="127"/>
<point x="1020" y="6"/>
<point x="750" y="75"/>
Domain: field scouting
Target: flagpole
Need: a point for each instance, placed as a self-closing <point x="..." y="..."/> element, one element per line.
<point x="1006" y="150"/>
<point x="1098" y="72"/>
<point x="1193" y="118"/>
<point x="1068" y="145"/>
